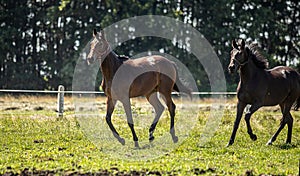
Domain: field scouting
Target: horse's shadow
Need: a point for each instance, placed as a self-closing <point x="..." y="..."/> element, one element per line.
<point x="144" y="147"/>
<point x="287" y="146"/>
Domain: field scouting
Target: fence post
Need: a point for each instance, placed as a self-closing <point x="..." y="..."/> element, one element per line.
<point x="60" y="101"/>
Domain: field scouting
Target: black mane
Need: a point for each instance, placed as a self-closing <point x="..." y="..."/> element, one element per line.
<point x="123" y="58"/>
<point x="258" y="59"/>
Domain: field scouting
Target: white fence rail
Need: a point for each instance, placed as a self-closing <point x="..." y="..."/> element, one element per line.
<point x="98" y="92"/>
<point x="61" y="91"/>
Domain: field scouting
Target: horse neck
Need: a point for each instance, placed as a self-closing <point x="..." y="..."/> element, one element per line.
<point x="248" y="71"/>
<point x="110" y="65"/>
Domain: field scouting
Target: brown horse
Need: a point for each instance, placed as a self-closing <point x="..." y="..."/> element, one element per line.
<point x="124" y="78"/>
<point x="260" y="86"/>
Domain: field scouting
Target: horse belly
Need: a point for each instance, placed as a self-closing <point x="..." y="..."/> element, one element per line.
<point x="275" y="98"/>
<point x="144" y="84"/>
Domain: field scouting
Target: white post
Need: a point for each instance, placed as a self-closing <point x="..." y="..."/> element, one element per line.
<point x="60" y="101"/>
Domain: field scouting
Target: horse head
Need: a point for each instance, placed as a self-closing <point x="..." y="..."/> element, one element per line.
<point x="99" y="47"/>
<point x="238" y="56"/>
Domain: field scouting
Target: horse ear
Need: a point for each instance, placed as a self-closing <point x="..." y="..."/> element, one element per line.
<point x="243" y="44"/>
<point x="102" y="34"/>
<point x="234" y="44"/>
<point x="95" y="33"/>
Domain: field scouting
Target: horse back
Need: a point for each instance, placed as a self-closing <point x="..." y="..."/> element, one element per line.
<point x="283" y="82"/>
<point x="283" y="74"/>
<point x="155" y="63"/>
<point x="142" y="76"/>
<point x="270" y="87"/>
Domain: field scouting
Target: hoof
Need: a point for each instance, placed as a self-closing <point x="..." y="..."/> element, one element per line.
<point x="136" y="144"/>
<point x="122" y="141"/>
<point x="269" y="142"/>
<point x="175" y="139"/>
<point x="151" y="138"/>
<point x="253" y="137"/>
<point x="230" y="143"/>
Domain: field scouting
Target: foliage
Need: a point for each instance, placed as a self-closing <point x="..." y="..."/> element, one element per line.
<point x="41" y="40"/>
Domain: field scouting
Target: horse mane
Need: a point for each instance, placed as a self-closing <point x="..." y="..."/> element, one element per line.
<point x="258" y="59"/>
<point x="123" y="58"/>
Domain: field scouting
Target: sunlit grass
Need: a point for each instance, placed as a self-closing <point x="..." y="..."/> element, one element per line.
<point x="39" y="140"/>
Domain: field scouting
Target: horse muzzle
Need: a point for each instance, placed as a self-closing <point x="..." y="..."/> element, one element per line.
<point x="232" y="69"/>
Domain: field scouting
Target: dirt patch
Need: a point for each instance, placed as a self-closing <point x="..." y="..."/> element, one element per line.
<point x="113" y="171"/>
<point x="11" y="108"/>
<point x="198" y="171"/>
<point x="29" y="172"/>
<point x="38" y="108"/>
<point x="33" y="103"/>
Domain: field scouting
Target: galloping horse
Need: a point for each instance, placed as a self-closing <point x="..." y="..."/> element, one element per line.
<point x="124" y="78"/>
<point x="260" y="86"/>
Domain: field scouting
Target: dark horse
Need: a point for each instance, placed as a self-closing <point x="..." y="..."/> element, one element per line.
<point x="260" y="86"/>
<point x="124" y="78"/>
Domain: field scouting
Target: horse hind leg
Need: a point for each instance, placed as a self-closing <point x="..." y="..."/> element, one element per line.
<point x="159" y="108"/>
<point x="281" y="126"/>
<point x="171" y="107"/>
<point x="165" y="88"/>
<point x="286" y="119"/>
<point x="290" y="121"/>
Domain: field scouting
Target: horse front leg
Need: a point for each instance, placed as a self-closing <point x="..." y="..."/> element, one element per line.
<point x="240" y="108"/>
<point x="110" y="106"/>
<point x="127" y="108"/>
<point x="252" y="109"/>
<point x="171" y="107"/>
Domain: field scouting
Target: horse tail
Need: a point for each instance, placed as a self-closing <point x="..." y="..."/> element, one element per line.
<point x="180" y="87"/>
<point x="297" y="102"/>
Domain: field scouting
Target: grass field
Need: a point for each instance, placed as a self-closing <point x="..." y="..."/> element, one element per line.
<point x="34" y="141"/>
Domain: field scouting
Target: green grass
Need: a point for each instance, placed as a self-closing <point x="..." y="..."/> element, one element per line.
<point x="38" y="140"/>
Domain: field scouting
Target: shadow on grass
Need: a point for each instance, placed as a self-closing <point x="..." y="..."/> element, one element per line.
<point x="287" y="146"/>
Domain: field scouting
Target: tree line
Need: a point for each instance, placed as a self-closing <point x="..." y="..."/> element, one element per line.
<point x="40" y="40"/>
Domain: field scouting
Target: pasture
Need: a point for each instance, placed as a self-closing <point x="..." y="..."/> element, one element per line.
<point x="33" y="140"/>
